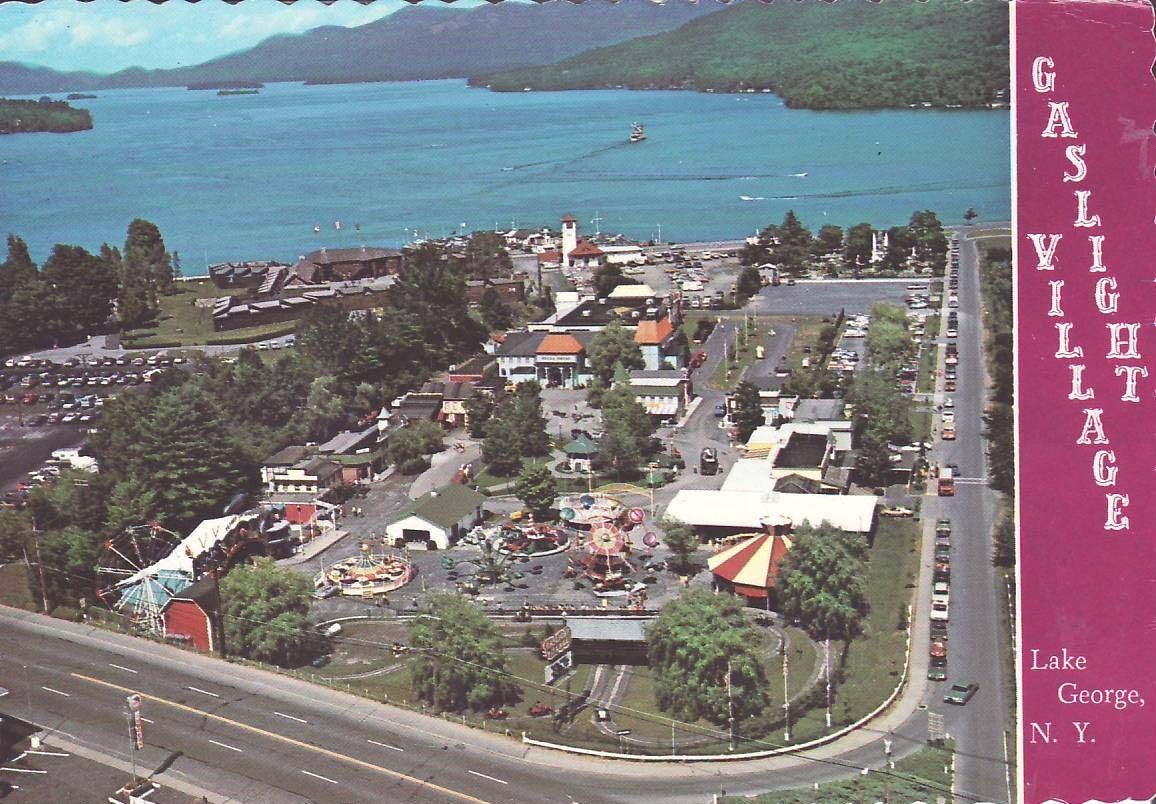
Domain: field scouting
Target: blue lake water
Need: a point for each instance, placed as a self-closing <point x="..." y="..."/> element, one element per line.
<point x="248" y="177"/>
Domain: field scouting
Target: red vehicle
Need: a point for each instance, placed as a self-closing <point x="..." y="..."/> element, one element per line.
<point x="946" y="486"/>
<point x="698" y="359"/>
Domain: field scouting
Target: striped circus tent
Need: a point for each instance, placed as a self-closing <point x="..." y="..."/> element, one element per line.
<point x="750" y="567"/>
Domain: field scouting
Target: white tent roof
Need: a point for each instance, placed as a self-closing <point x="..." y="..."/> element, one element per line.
<point x="200" y="541"/>
<point x="632" y="292"/>
<point x="752" y="509"/>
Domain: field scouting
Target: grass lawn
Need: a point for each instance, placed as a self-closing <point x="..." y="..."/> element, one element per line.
<point x="921" y="424"/>
<point x="14" y="589"/>
<point x="182" y="321"/>
<point x="921" y="776"/>
<point x="875" y="660"/>
<point x="725" y="377"/>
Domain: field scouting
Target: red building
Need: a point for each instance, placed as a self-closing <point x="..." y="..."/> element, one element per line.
<point x="191" y="616"/>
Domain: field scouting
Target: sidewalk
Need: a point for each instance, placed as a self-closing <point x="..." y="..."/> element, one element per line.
<point x="314" y="548"/>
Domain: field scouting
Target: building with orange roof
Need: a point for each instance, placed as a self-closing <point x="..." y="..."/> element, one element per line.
<point x="661" y="348"/>
<point x="560" y="360"/>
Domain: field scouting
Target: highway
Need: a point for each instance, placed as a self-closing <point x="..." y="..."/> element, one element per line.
<point x="976" y="640"/>
<point x="241" y="734"/>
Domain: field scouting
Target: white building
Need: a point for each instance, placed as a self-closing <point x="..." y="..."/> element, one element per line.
<point x="737" y="511"/>
<point x="437" y="520"/>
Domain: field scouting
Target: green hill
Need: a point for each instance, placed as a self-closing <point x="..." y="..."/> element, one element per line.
<point x="22" y="116"/>
<point x="851" y="54"/>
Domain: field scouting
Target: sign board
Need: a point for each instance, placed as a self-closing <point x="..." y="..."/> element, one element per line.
<point x="556" y="644"/>
<point x="935" y="730"/>
<point x="135" y="722"/>
<point x="559" y="667"/>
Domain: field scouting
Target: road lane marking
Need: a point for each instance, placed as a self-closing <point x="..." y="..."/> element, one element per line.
<point x="203" y="692"/>
<point x="385" y="745"/>
<point x="319" y="776"/>
<point x="57" y="692"/>
<point x="272" y="735"/>
<point x="23" y="770"/>
<point x="122" y="667"/>
<point x="291" y="717"/>
<point x="46" y="753"/>
<point x="226" y="745"/>
<point x="491" y="778"/>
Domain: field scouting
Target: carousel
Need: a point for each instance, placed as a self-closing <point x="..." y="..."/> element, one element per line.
<point x="603" y="560"/>
<point x="367" y="574"/>
<point x="586" y="511"/>
<point x="532" y="539"/>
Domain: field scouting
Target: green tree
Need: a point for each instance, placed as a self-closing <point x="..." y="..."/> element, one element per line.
<point x="614" y="346"/>
<point x="748" y="284"/>
<point x="694" y="645"/>
<point x="264" y="609"/>
<point x="900" y="241"/>
<point x="857" y="246"/>
<point x="537" y="488"/>
<point x="131" y="502"/>
<point x="180" y="447"/>
<point x="747" y="410"/>
<point x="889" y="341"/>
<point x="459" y="663"/>
<point x="18" y="269"/>
<point x="15" y="530"/>
<point x="626" y="428"/>
<point x="479" y="409"/>
<point x="882" y="412"/>
<point x="608" y="277"/>
<point x="324" y="408"/>
<point x="69" y="556"/>
<point x="83" y="288"/>
<point x="681" y="540"/>
<point x="821" y="581"/>
<point x="499" y="449"/>
<point x="495" y="312"/>
<point x="529" y="421"/>
<point x="486" y="256"/>
<point x="794" y="245"/>
<point x="409" y="446"/>
<point x="830" y="239"/>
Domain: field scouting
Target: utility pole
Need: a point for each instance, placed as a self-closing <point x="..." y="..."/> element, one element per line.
<point x="827" y="673"/>
<point x="786" y="694"/>
<point x="730" y="708"/>
<point x="40" y="567"/>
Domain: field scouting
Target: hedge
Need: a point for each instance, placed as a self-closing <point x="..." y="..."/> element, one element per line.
<point x="230" y="338"/>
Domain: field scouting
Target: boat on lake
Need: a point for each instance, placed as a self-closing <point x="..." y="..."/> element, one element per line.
<point x="637" y="133"/>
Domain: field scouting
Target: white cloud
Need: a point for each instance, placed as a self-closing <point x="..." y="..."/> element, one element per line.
<point x="55" y="28"/>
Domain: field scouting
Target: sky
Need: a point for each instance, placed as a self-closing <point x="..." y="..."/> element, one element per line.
<point x="109" y="35"/>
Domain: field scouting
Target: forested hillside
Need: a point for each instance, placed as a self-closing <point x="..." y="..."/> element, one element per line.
<point x="20" y="116"/>
<point x="845" y="55"/>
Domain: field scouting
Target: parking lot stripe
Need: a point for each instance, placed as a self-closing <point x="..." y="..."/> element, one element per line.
<point x="203" y="692"/>
<point x="120" y="667"/>
<point x="385" y="745"/>
<point x="23" y="770"/>
<point x="291" y="717"/>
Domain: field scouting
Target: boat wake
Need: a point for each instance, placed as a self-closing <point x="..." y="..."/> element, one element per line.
<point x="802" y="175"/>
<point x="751" y="198"/>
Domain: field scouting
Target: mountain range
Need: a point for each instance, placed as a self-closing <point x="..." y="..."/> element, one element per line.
<point x="819" y="55"/>
<point x="416" y="42"/>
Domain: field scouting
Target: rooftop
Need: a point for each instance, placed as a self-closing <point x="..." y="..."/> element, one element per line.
<point x="444" y="507"/>
<point x="557" y="343"/>
<point x="653" y="333"/>
<point x="607" y="629"/>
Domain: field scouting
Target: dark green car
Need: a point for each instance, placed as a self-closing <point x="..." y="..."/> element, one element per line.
<point x="960" y="694"/>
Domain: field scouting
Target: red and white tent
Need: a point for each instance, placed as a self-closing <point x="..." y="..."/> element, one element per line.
<point x="751" y="566"/>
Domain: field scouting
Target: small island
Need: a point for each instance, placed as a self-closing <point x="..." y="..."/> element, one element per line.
<point x="26" y="116"/>
<point x="238" y="91"/>
<point x="79" y="96"/>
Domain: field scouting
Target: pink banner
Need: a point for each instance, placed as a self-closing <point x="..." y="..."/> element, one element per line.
<point x="1085" y="106"/>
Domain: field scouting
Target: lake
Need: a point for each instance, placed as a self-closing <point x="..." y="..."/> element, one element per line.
<point x="250" y="176"/>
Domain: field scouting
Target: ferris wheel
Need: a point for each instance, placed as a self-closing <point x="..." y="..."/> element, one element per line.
<point x="128" y="580"/>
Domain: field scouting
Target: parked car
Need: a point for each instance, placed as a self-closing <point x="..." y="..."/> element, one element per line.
<point x="960" y="693"/>
<point x="897" y="511"/>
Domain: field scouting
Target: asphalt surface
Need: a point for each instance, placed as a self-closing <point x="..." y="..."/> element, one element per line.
<point x="975" y="640"/>
<point x="233" y="733"/>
